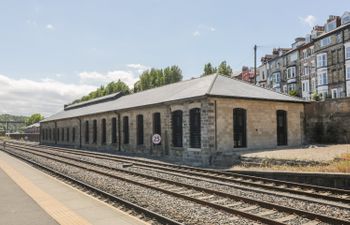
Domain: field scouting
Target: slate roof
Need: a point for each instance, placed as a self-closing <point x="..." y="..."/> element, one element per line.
<point x="212" y="85"/>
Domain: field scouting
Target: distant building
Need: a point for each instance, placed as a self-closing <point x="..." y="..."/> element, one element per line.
<point x="32" y="129"/>
<point x="317" y="64"/>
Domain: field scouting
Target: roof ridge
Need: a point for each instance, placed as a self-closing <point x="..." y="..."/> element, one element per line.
<point x="212" y="84"/>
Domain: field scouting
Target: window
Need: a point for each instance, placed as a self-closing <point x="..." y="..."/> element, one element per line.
<point x="156" y="124"/>
<point x="291" y="72"/>
<point x="282" y="133"/>
<point x="335" y="93"/>
<point x="195" y="128"/>
<point x="58" y="134"/>
<point x="103" y="133"/>
<point x="348" y="72"/>
<point x="276" y="78"/>
<point x="323" y="78"/>
<point x="347" y="53"/>
<point x="263" y="75"/>
<point x="114" y="130"/>
<point x="239" y="128"/>
<point x="139" y="120"/>
<point x="306" y="70"/>
<point x="339" y="38"/>
<point x="331" y="26"/>
<point x="325" y="41"/>
<point x="86" y="131"/>
<point x="176" y="120"/>
<point x="345" y="18"/>
<point x="73" y="134"/>
<point x="126" y="129"/>
<point x="62" y="134"/>
<point x="94" y="131"/>
<point x="305" y="85"/>
<point x="67" y="134"/>
<point x="322" y="60"/>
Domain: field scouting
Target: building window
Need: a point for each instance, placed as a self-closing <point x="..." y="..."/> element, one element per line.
<point x="86" y="131"/>
<point x="156" y="124"/>
<point x="62" y="134"/>
<point x="104" y="136"/>
<point x="239" y="128"/>
<point x="126" y="129"/>
<point x="94" y="131"/>
<point x="347" y="53"/>
<point x="322" y="78"/>
<point x="348" y="73"/>
<point x="114" y="130"/>
<point x="291" y="72"/>
<point x="139" y="120"/>
<point x="322" y="60"/>
<point x="58" y="134"/>
<point x="67" y="134"/>
<point x="282" y="132"/>
<point x="195" y="128"/>
<point x="325" y="41"/>
<point x="176" y="120"/>
<point x="335" y="93"/>
<point x="73" y="134"/>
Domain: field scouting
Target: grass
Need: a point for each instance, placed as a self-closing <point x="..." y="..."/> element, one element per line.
<point x="342" y="165"/>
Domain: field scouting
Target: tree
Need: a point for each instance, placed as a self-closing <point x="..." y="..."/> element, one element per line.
<point x="34" y="118"/>
<point x="209" y="69"/>
<point x="225" y="69"/>
<point x="112" y="87"/>
<point x="158" y="77"/>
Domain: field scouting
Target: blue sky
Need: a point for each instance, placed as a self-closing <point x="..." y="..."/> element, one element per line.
<point x="78" y="45"/>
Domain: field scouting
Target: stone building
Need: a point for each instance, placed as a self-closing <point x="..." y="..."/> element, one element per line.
<point x="316" y="64"/>
<point x="199" y="120"/>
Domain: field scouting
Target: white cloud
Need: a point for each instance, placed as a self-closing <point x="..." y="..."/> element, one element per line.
<point x="309" y="20"/>
<point x="24" y="97"/>
<point x="203" y="29"/>
<point x="196" y="33"/>
<point x="138" y="67"/>
<point x="50" y="27"/>
<point x="97" y="78"/>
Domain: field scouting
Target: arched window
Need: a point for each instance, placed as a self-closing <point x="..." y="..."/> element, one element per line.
<point x="126" y="130"/>
<point x="195" y="128"/>
<point x="67" y="134"/>
<point x="58" y="134"/>
<point x="87" y="132"/>
<point x="103" y="136"/>
<point x="139" y="119"/>
<point x="239" y="128"/>
<point x="73" y="134"/>
<point x="62" y="135"/>
<point x="114" y="130"/>
<point x="176" y="118"/>
<point x="156" y="124"/>
<point x="282" y="132"/>
<point x="94" y="131"/>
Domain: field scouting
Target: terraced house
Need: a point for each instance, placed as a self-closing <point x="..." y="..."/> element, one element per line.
<point x="199" y="120"/>
<point x="316" y="65"/>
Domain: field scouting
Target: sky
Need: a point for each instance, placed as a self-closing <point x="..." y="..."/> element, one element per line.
<point x="52" y="52"/>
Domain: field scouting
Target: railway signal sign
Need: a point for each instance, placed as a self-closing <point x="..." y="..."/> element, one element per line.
<point x="156" y="139"/>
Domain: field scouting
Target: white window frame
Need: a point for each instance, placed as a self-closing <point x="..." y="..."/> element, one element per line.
<point x="291" y="72"/>
<point x="322" y="60"/>
<point x="322" y="78"/>
<point x="348" y="72"/>
<point x="325" y="41"/>
<point x="347" y="52"/>
<point x="335" y="93"/>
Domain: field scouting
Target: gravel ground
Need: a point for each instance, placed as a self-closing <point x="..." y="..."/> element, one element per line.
<point x="312" y="153"/>
<point x="285" y="201"/>
<point x="178" y="209"/>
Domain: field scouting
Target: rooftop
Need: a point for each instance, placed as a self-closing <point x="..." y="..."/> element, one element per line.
<point x="211" y="85"/>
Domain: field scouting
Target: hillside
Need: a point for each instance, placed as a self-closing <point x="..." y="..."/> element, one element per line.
<point x="13" y="127"/>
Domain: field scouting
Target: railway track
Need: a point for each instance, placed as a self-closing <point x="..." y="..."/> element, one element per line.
<point x="317" y="192"/>
<point x="264" y="212"/>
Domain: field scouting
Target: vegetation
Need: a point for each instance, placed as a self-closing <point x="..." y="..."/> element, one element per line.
<point x="293" y="93"/>
<point x="223" y="69"/>
<point x="34" y="118"/>
<point x="316" y="97"/>
<point x="158" y="77"/>
<point x="12" y="127"/>
<point x="110" y="88"/>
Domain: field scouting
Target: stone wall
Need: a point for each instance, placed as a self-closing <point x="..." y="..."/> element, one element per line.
<point x="328" y="121"/>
